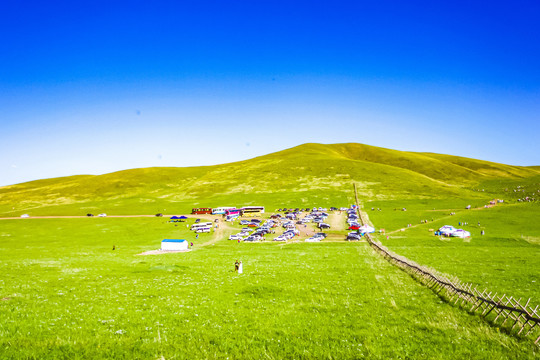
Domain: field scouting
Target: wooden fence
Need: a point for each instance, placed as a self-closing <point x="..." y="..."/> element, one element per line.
<point x="518" y="316"/>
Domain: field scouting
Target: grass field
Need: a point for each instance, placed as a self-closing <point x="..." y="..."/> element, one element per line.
<point x="506" y="259"/>
<point x="67" y="294"/>
<point x="64" y="293"/>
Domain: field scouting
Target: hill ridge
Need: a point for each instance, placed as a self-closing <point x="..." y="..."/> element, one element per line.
<point x="305" y="173"/>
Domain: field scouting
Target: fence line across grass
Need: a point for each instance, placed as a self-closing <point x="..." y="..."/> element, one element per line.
<point x="505" y="311"/>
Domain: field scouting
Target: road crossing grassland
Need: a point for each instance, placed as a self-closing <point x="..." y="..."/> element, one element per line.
<point x="65" y="293"/>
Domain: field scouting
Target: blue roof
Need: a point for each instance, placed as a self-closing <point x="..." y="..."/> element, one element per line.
<point x="173" y="240"/>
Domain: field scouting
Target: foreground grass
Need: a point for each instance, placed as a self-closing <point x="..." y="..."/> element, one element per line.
<point x="66" y="294"/>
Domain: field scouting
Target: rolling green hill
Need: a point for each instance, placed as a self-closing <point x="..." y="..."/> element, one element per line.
<point x="305" y="175"/>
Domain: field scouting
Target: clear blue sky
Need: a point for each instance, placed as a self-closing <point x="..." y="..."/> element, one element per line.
<point x="94" y="87"/>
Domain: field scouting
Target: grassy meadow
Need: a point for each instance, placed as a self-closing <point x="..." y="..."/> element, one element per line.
<point x="66" y="294"/>
<point x="505" y="260"/>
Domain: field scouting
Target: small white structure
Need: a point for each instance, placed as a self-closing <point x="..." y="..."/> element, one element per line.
<point x="447" y="230"/>
<point x="367" y="229"/>
<point x="174" y="244"/>
<point x="461" y="234"/>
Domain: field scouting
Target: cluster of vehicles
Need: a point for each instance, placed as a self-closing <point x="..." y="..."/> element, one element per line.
<point x="230" y="212"/>
<point x="290" y="231"/>
<point x="255" y="231"/>
<point x="354" y="224"/>
<point x="315" y="216"/>
<point x="306" y="209"/>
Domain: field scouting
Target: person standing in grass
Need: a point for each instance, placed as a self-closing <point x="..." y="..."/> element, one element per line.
<point x="236" y="265"/>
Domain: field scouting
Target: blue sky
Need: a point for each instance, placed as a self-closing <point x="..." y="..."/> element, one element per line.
<point x="95" y="87"/>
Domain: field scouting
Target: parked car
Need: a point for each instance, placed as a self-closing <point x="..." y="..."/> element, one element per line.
<point x="321" y="235"/>
<point x="236" y="237"/>
<point x="313" y="239"/>
<point x="245" y="222"/>
<point x="353" y="237"/>
<point x="102" y="215"/>
<point x="159" y="215"/>
<point x="324" y="226"/>
<point x="89" y="215"/>
<point x="280" y="238"/>
<point x="252" y="238"/>
<point x="25" y="216"/>
<point x="197" y="221"/>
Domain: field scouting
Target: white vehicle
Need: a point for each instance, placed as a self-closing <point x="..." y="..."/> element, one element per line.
<point x="203" y="230"/>
<point x="25" y="216"/>
<point x="102" y="215"/>
<point x="313" y="239"/>
<point x="280" y="238"/>
<point x="244" y="233"/>
<point x="201" y="225"/>
<point x="221" y="210"/>
<point x="236" y="237"/>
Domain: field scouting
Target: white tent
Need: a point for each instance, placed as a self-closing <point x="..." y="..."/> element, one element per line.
<point x="174" y="244"/>
<point x="367" y="229"/>
<point x="447" y="230"/>
<point x="461" y="233"/>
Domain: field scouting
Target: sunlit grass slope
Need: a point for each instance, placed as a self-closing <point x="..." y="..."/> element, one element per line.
<point x="305" y="175"/>
<point x="65" y="294"/>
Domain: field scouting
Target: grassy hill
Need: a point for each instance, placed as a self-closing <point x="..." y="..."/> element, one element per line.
<point x="66" y="293"/>
<point x="305" y="175"/>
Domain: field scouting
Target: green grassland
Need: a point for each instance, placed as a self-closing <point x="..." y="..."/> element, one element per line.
<point x="66" y="294"/>
<point x="506" y="259"/>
